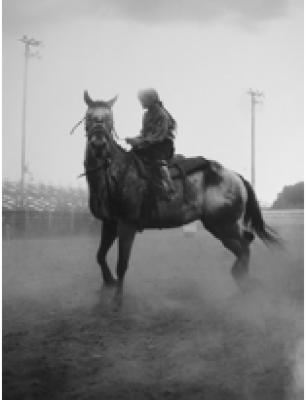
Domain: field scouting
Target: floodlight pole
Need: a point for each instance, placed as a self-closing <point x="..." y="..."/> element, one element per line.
<point x="255" y="95"/>
<point x="28" y="43"/>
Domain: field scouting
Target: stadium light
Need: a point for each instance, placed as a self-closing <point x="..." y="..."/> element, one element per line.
<point x="29" y="43"/>
<point x="255" y="96"/>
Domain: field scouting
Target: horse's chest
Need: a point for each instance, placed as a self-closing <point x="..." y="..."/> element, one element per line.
<point x="98" y="207"/>
<point x="99" y="199"/>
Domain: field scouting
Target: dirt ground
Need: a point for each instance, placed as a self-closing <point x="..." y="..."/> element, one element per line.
<point x="185" y="330"/>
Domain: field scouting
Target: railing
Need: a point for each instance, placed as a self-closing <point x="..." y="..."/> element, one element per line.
<point x="25" y="223"/>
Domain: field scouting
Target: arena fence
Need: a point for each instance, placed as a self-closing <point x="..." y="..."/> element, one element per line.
<point x="26" y="223"/>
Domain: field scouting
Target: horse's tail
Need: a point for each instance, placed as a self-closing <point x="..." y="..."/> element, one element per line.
<point x="254" y="217"/>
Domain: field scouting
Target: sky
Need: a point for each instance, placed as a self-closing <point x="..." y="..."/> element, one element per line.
<point x="201" y="56"/>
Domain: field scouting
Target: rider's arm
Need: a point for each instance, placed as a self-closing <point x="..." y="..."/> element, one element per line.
<point x="154" y="130"/>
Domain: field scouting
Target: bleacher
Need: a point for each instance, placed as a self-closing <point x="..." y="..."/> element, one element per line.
<point x="45" y="210"/>
<point x="42" y="197"/>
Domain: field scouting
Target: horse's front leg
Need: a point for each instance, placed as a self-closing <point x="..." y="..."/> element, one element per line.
<point x="126" y="234"/>
<point x="108" y="236"/>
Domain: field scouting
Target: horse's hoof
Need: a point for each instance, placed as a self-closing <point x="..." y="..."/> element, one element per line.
<point x="240" y="274"/>
<point x="110" y="284"/>
<point x="117" y="302"/>
<point x="251" y="285"/>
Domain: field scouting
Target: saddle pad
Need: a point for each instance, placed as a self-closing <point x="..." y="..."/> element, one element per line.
<point x="177" y="165"/>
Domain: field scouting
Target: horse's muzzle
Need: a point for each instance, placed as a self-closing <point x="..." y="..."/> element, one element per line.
<point x="97" y="142"/>
<point x="98" y="145"/>
<point x="97" y="129"/>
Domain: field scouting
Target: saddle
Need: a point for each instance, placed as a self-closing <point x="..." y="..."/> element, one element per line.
<point x="179" y="166"/>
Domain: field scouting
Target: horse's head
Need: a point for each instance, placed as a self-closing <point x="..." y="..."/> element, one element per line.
<point x="99" y="125"/>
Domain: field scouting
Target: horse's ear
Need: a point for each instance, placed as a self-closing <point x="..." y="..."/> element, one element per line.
<point x="87" y="99"/>
<point x="112" y="101"/>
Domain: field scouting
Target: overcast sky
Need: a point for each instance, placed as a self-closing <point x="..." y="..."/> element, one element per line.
<point x="201" y="55"/>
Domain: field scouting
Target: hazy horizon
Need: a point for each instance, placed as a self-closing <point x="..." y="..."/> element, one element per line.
<point x="202" y="57"/>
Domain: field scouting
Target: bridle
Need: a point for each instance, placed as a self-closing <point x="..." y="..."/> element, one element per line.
<point x="112" y="135"/>
<point x="104" y="165"/>
<point x="114" y="132"/>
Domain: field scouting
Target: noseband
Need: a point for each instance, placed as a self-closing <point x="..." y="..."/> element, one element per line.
<point x="113" y="132"/>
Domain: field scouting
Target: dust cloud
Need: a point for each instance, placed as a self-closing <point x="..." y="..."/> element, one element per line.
<point x="185" y="329"/>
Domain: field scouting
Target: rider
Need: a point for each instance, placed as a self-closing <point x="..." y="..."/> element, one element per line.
<point x="155" y="142"/>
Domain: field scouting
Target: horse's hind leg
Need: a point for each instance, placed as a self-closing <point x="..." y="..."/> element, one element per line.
<point x="108" y="236"/>
<point x="235" y="240"/>
<point x="239" y="247"/>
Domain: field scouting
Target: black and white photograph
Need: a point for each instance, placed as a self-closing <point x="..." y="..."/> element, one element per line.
<point x="152" y="200"/>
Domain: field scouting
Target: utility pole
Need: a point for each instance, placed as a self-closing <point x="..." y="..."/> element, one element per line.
<point x="28" y="44"/>
<point x="255" y="95"/>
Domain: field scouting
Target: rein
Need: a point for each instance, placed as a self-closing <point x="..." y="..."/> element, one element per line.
<point x="76" y="125"/>
<point x="90" y="170"/>
<point x="81" y="120"/>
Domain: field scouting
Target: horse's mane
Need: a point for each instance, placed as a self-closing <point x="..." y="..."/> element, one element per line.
<point x="132" y="157"/>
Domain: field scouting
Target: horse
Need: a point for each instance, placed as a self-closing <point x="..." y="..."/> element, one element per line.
<point x="121" y="196"/>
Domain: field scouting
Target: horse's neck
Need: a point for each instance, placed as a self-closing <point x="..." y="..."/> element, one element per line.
<point x="118" y="153"/>
<point x="97" y="169"/>
<point x="118" y="158"/>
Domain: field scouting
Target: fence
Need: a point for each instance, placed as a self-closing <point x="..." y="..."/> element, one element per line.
<point x="25" y="223"/>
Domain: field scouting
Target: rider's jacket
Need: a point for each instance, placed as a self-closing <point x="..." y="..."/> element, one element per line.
<point x="157" y="125"/>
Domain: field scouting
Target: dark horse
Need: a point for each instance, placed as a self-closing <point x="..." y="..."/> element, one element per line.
<point x="120" y="196"/>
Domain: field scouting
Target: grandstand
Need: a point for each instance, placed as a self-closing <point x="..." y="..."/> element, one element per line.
<point x="47" y="210"/>
<point x="40" y="197"/>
